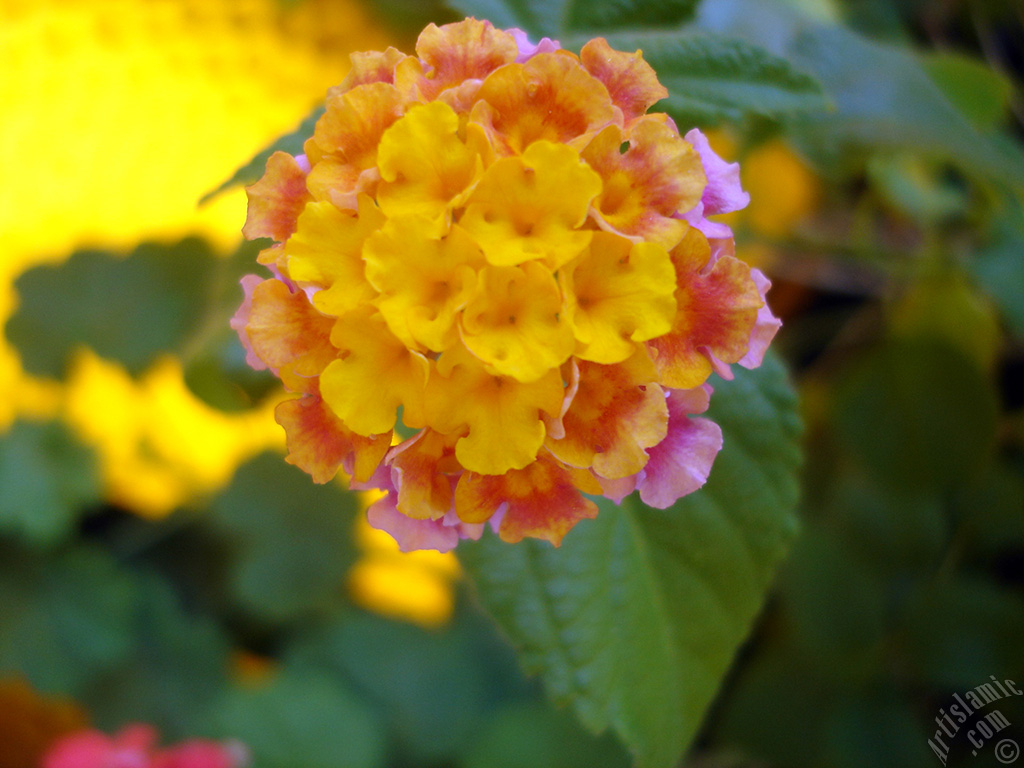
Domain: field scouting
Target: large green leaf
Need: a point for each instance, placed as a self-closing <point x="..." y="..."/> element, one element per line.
<point x="711" y="78"/>
<point x="553" y="18"/>
<point x="881" y="94"/>
<point x="177" y="668"/>
<point x="635" y="619"/>
<point x="290" y="539"/>
<point x="159" y="299"/>
<point x="918" y="413"/>
<point x="48" y="479"/>
<point x="302" y="719"/>
<point x="65" y="619"/>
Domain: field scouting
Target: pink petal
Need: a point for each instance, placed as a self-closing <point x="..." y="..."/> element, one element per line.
<point x="527" y="50"/>
<point x="681" y="463"/>
<point x="765" y="328"/>
<point x="723" y="193"/>
<point x="712" y="230"/>
<point x="241" y="319"/>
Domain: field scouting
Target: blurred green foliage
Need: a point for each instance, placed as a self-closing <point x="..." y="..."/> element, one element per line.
<point x="903" y="297"/>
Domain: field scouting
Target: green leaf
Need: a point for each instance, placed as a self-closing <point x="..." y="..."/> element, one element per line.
<point x="66" y="619"/>
<point x="177" y="669"/>
<point x="711" y="78"/>
<point x="161" y="298"/>
<point x="959" y="631"/>
<point x="47" y="480"/>
<point x="291" y="539"/>
<point x="253" y="171"/>
<point x="302" y="719"/>
<point x="435" y="687"/>
<point x="999" y="270"/>
<point x="635" y="619"/>
<point x="918" y="413"/>
<point x="980" y="93"/>
<point x="532" y="735"/>
<point x="882" y="97"/>
<point x="556" y="18"/>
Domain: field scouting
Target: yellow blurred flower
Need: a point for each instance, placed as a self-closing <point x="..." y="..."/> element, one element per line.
<point x="118" y="116"/>
<point x="414" y="586"/>
<point x="158" y="443"/>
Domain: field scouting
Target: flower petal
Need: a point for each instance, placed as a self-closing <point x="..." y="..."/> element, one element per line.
<point x="542" y="501"/>
<point x="350" y="129"/>
<point x="645" y="186"/>
<point x="551" y="97"/>
<point x="423" y="279"/>
<point x="530" y="207"/>
<point x="286" y="330"/>
<point x="326" y="252"/>
<point x="241" y="319"/>
<point x="498" y="418"/>
<point x="276" y="200"/>
<point x="466" y="50"/>
<point x="423" y="471"/>
<point x="681" y="463"/>
<point x="528" y="50"/>
<point x="723" y="193"/>
<point x="424" y="166"/>
<point x="513" y="322"/>
<point x="616" y="413"/>
<point x="618" y="293"/>
<point x="319" y="443"/>
<point x="718" y="308"/>
<point x="374" y="375"/>
<point x="411" y="534"/>
<point x="631" y="82"/>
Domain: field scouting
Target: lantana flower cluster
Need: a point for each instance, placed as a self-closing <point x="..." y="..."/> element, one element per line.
<point x="493" y="250"/>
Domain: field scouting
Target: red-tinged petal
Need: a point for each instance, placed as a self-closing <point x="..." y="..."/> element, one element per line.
<point x="553" y="422"/>
<point x="550" y="97"/>
<point x="241" y="319"/>
<point x="412" y="535"/>
<point x="341" y="184"/>
<point x="276" y="200"/>
<point x="645" y="186"/>
<point x="498" y="419"/>
<point x="540" y="501"/>
<point x="351" y="128"/>
<point x="681" y="463"/>
<point x="765" y="327"/>
<point x="286" y="330"/>
<point x="369" y="67"/>
<point x="319" y="443"/>
<point x="630" y="80"/>
<point x="465" y="50"/>
<point x="616" y="414"/>
<point x="374" y="375"/>
<point x="723" y="193"/>
<point x="717" y="310"/>
<point x="423" y="470"/>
